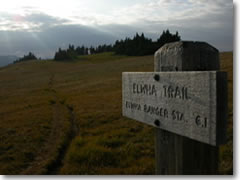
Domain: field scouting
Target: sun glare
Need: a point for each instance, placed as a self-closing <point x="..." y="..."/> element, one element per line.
<point x="23" y="7"/>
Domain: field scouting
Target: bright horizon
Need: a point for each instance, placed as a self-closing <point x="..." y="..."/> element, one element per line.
<point x="31" y="23"/>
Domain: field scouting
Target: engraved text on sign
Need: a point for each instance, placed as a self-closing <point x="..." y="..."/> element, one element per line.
<point x="184" y="103"/>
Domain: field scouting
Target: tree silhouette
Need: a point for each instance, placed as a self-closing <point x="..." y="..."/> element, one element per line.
<point x="65" y="55"/>
<point x="28" y="57"/>
<point x="167" y="37"/>
<point x="139" y="45"/>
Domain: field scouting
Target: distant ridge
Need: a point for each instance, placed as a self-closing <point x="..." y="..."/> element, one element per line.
<point x="5" y="60"/>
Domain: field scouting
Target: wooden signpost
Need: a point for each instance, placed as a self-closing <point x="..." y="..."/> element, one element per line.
<point x="188" y="107"/>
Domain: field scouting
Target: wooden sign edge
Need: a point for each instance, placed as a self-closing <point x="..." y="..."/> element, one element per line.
<point x="222" y="108"/>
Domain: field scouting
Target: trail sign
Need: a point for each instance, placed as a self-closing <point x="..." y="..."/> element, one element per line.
<point x="186" y="100"/>
<point x="184" y="103"/>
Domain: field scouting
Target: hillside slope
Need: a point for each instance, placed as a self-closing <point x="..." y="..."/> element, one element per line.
<point x="65" y="118"/>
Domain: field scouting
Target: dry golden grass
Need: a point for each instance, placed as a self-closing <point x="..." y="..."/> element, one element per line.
<point x="65" y="118"/>
<point x="226" y="151"/>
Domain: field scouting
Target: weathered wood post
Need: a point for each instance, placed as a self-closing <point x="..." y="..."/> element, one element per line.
<point x="188" y="106"/>
<point x="176" y="154"/>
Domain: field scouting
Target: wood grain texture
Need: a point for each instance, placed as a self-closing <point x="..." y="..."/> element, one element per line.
<point x="180" y="155"/>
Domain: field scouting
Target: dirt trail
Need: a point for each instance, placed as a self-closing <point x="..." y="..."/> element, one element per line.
<point x="55" y="167"/>
<point x="50" y="158"/>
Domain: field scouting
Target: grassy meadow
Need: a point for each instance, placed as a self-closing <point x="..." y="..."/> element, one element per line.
<point x="66" y="118"/>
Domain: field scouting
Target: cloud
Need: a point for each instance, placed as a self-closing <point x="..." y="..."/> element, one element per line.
<point x="46" y="20"/>
<point x="200" y="20"/>
<point x="45" y="43"/>
<point x="40" y="32"/>
<point x="166" y="11"/>
<point x="30" y="22"/>
<point x="169" y="12"/>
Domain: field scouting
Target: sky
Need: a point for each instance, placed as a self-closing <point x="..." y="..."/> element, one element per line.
<point x="43" y="26"/>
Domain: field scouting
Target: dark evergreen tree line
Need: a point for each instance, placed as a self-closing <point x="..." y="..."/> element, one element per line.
<point x="138" y="46"/>
<point x="68" y="54"/>
<point x="28" y="57"/>
<point x="72" y="52"/>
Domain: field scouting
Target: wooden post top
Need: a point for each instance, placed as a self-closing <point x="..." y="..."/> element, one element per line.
<point x="186" y="56"/>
